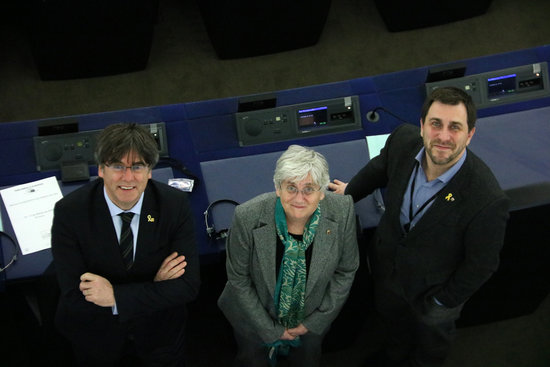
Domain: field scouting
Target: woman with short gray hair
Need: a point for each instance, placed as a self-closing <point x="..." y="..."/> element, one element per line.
<point x="291" y="259"/>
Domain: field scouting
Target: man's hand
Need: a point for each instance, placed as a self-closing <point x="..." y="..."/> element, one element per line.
<point x="339" y="187"/>
<point x="172" y="267"/>
<point x="97" y="290"/>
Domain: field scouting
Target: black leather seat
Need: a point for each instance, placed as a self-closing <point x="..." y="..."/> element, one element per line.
<point x="244" y="28"/>
<point x="79" y="39"/>
<point x="402" y="15"/>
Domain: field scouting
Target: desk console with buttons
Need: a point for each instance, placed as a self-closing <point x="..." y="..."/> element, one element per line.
<point x="297" y="121"/>
<point x="517" y="84"/>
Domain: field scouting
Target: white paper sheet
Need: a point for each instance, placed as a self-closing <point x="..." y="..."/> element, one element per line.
<point x="30" y="210"/>
<point x="375" y="143"/>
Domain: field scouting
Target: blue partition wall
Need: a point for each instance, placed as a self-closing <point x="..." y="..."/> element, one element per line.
<point x="203" y="135"/>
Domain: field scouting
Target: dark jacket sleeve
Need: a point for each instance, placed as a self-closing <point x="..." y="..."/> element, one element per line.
<point x="376" y="172"/>
<point x="69" y="260"/>
<point x="145" y="296"/>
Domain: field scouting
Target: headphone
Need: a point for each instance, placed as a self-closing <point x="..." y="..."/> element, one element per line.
<point x="210" y="230"/>
<point x="14" y="257"/>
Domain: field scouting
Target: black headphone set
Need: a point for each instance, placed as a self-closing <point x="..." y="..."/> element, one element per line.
<point x="210" y="230"/>
<point x="14" y="257"/>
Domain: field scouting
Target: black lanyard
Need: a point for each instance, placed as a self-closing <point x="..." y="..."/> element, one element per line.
<point x="426" y="203"/>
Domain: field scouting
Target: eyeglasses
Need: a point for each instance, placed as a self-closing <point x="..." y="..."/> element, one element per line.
<point x="135" y="168"/>
<point x="306" y="191"/>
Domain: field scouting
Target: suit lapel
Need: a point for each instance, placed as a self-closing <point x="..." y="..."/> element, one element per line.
<point x="148" y="221"/>
<point x="445" y="202"/>
<point x="265" y="248"/>
<point x="325" y="240"/>
<point x="265" y="251"/>
<point x="401" y="180"/>
<point x="106" y="237"/>
<point x="439" y="210"/>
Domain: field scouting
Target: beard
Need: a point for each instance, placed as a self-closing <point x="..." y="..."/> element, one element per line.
<point x="443" y="160"/>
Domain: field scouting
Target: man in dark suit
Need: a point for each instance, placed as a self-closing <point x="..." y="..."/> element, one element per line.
<point x="440" y="236"/>
<point x="125" y="278"/>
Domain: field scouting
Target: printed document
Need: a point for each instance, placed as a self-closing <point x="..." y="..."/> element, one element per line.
<point x="30" y="210"/>
<point x="375" y="143"/>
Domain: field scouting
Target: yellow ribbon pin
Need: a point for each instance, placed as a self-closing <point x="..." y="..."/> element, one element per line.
<point x="449" y="197"/>
<point x="150" y="219"/>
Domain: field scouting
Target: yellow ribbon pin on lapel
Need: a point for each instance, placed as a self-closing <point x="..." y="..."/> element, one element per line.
<point x="449" y="197"/>
<point x="150" y="219"/>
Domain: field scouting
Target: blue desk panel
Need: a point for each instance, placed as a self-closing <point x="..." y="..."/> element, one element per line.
<point x="513" y="139"/>
<point x="516" y="146"/>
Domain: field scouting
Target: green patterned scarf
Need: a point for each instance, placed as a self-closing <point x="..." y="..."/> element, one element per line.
<point x="291" y="283"/>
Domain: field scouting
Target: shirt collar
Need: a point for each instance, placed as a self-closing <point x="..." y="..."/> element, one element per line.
<point x="115" y="210"/>
<point x="445" y="177"/>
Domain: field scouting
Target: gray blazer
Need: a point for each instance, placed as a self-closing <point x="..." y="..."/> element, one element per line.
<point x="247" y="299"/>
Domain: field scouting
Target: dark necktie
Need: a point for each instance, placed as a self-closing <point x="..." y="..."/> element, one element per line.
<point x="127" y="239"/>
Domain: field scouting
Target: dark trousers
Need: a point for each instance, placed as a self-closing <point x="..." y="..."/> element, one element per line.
<point x="253" y="353"/>
<point x="118" y="349"/>
<point x="410" y="340"/>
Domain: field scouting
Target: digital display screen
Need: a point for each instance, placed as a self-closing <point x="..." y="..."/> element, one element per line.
<point x="312" y="117"/>
<point x="501" y="85"/>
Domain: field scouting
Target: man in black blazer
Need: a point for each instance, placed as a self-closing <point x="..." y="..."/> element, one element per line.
<point x="440" y="236"/>
<point x="125" y="307"/>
